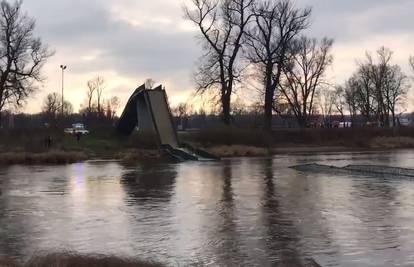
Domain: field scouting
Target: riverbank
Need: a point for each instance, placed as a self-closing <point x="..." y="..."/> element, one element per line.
<point x="68" y="157"/>
<point x="230" y="142"/>
<point x="380" y="144"/>
<point x="25" y="148"/>
<point x="51" y="157"/>
<point x="139" y="155"/>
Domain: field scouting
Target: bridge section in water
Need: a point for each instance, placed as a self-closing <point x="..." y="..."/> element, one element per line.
<point x="148" y="109"/>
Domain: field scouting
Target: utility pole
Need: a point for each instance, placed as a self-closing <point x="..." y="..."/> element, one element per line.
<point x="63" y="67"/>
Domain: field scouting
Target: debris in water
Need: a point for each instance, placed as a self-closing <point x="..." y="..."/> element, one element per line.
<point x="374" y="170"/>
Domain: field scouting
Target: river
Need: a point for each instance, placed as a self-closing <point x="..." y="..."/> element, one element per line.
<point x="238" y="212"/>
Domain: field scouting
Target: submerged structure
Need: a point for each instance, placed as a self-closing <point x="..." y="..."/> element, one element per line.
<point x="366" y="170"/>
<point x="148" y="110"/>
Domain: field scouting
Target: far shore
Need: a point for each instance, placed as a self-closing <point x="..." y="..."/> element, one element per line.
<point x="22" y="147"/>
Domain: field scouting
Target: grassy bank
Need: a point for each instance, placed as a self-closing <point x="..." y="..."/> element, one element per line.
<point x="349" y="137"/>
<point x="51" y="157"/>
<point x="77" y="260"/>
<point x="232" y="142"/>
<point x="29" y="146"/>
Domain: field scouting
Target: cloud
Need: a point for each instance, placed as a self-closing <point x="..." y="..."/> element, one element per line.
<point x="101" y="38"/>
<point x="344" y="20"/>
<point x="127" y="41"/>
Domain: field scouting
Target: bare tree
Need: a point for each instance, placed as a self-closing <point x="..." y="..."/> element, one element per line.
<point x="112" y="106"/>
<point x="239" y="107"/>
<point x="89" y="96"/>
<point x="412" y="62"/>
<point x="326" y="103"/>
<point x="182" y="110"/>
<point x="96" y="85"/>
<point x="269" y="40"/>
<point x="379" y="87"/>
<point x="360" y="93"/>
<point x="351" y="101"/>
<point x="378" y="74"/>
<point x="100" y="86"/>
<point x="396" y="90"/>
<point x="255" y="110"/>
<point x="22" y="55"/>
<point x="303" y="76"/>
<point x="115" y="103"/>
<point x="222" y="24"/>
<point x="52" y="105"/>
<point x="339" y="101"/>
<point x="67" y="108"/>
<point x="283" y="107"/>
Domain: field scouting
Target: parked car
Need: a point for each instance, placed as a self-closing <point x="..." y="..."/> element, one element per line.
<point x="77" y="128"/>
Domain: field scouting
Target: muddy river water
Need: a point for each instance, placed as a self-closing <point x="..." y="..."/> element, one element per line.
<point x="238" y="212"/>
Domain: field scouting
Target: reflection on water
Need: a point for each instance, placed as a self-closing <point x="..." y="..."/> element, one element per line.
<point x="242" y="212"/>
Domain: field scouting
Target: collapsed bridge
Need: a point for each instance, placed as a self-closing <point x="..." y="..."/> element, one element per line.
<point x="148" y="110"/>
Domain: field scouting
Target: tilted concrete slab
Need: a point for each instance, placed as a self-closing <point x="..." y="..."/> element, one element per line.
<point x="149" y="111"/>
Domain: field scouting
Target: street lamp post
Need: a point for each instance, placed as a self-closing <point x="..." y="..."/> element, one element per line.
<point x="63" y="67"/>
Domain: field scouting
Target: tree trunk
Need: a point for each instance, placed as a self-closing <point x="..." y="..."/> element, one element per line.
<point x="268" y="109"/>
<point x="1" y="125"/>
<point x="394" y="122"/>
<point x="302" y="122"/>
<point x="269" y="94"/>
<point x="225" y="102"/>
<point x="342" y="117"/>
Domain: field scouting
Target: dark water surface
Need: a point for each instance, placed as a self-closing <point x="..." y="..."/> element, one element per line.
<point x="241" y="212"/>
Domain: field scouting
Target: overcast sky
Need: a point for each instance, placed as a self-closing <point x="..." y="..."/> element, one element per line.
<point x="127" y="41"/>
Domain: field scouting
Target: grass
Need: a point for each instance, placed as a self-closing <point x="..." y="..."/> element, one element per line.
<point x="29" y="147"/>
<point x="52" y="157"/>
<point x="392" y="142"/>
<point x="139" y="155"/>
<point x="349" y="137"/>
<point x="90" y="144"/>
<point x="78" y="260"/>
<point x="107" y="142"/>
<point x="228" y="136"/>
<point x="238" y="151"/>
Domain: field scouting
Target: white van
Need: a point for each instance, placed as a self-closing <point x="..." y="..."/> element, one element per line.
<point x="77" y="128"/>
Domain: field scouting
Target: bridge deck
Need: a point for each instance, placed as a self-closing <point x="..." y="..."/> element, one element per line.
<point x="149" y="110"/>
